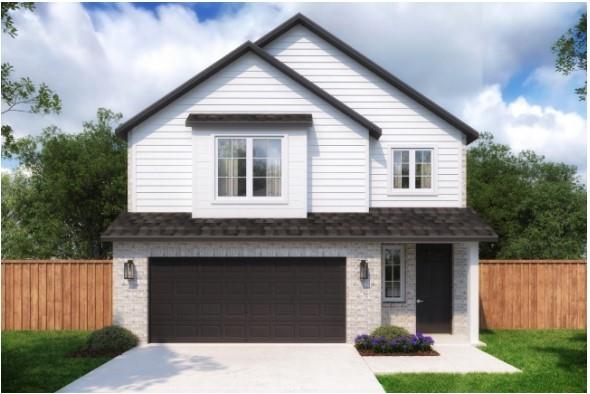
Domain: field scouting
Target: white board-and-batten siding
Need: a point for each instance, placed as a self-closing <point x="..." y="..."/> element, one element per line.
<point x="404" y="122"/>
<point x="162" y="176"/>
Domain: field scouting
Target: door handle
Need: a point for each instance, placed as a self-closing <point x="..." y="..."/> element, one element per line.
<point x="419" y="301"/>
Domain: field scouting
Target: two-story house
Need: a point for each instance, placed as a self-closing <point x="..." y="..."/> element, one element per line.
<point x="295" y="191"/>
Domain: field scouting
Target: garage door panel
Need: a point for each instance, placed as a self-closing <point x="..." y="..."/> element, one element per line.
<point x="284" y="289"/>
<point x="234" y="310"/>
<point x="259" y="310"/>
<point x="247" y="300"/>
<point x="209" y="288"/>
<point x="333" y="310"/>
<point x="259" y="289"/>
<point x="284" y="332"/>
<point x="162" y="310"/>
<point x="235" y="289"/>
<point x="210" y="309"/>
<point x="285" y="311"/>
<point x="185" y="288"/>
<point x="234" y="332"/>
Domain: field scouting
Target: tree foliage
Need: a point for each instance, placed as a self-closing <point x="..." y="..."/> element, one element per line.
<point x="7" y="21"/>
<point x="570" y="51"/>
<point x="538" y="208"/>
<point x="22" y="94"/>
<point x="69" y="189"/>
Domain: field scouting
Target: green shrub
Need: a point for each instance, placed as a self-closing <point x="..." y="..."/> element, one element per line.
<point x="110" y="340"/>
<point x="390" y="332"/>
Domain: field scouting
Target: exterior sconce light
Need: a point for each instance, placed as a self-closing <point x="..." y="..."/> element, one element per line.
<point x="129" y="270"/>
<point x="364" y="270"/>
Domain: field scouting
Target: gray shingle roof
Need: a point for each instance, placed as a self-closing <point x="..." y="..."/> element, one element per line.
<point x="379" y="224"/>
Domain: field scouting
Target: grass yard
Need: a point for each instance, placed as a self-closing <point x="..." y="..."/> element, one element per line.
<point x="37" y="361"/>
<point x="551" y="361"/>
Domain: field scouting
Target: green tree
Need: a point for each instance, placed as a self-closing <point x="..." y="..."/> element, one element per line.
<point x="570" y="52"/>
<point x="76" y="187"/>
<point x="538" y="208"/>
<point x="22" y="94"/>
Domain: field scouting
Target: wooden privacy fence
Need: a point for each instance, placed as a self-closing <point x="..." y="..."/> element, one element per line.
<point x="56" y="294"/>
<point x="532" y="293"/>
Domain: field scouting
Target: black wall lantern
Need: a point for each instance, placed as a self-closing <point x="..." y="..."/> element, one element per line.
<point x="129" y="270"/>
<point x="364" y="270"/>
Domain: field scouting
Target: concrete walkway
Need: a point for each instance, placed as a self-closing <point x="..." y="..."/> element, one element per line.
<point x="453" y="359"/>
<point x="239" y="368"/>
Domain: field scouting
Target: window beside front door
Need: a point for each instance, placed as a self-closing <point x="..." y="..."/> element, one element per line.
<point x="412" y="170"/>
<point x="249" y="167"/>
<point x="394" y="267"/>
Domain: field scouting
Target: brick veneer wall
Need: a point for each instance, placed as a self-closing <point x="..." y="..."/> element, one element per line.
<point x="363" y="300"/>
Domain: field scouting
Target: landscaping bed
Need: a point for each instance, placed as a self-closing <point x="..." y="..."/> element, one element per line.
<point x="394" y="341"/>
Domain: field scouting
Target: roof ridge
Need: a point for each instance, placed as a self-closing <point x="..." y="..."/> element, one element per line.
<point x="299" y="18"/>
<point x="211" y="70"/>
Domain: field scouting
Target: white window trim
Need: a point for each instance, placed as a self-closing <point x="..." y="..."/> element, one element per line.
<point x="249" y="199"/>
<point x="412" y="191"/>
<point x="402" y="297"/>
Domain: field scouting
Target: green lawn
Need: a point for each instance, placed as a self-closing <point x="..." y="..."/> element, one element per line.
<point x="37" y="361"/>
<point x="550" y="360"/>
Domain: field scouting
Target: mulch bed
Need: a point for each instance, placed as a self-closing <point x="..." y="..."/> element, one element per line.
<point x="370" y="353"/>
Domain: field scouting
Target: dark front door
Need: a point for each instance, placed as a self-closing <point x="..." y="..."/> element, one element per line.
<point x="433" y="287"/>
<point x="239" y="299"/>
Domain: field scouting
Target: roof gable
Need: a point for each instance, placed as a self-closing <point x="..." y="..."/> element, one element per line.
<point x="300" y="19"/>
<point x="123" y="129"/>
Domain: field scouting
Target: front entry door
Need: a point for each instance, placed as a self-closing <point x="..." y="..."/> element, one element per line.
<point x="433" y="288"/>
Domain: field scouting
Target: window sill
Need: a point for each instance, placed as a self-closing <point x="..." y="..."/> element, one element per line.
<point x="386" y="302"/>
<point x="430" y="193"/>
<point x="250" y="201"/>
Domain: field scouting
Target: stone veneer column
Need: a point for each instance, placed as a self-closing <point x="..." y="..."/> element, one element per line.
<point x="473" y="291"/>
<point x="363" y="300"/>
<point x="460" y="283"/>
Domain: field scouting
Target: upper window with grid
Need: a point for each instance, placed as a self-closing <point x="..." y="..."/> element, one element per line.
<point x="412" y="169"/>
<point x="249" y="167"/>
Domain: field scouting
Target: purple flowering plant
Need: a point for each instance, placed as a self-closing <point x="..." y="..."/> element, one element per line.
<point x="399" y="344"/>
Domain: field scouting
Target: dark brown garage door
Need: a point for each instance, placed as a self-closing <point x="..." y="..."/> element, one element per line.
<point x="247" y="300"/>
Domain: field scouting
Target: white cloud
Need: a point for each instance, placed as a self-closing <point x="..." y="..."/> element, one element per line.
<point x="559" y="136"/>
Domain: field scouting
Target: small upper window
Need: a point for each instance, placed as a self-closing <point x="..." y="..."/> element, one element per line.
<point x="249" y="167"/>
<point x="412" y="169"/>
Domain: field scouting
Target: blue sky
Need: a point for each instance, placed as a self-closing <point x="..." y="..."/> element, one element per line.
<point x="205" y="11"/>
<point x="490" y="64"/>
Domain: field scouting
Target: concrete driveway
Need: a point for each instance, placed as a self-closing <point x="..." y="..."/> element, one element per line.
<point x="183" y="368"/>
